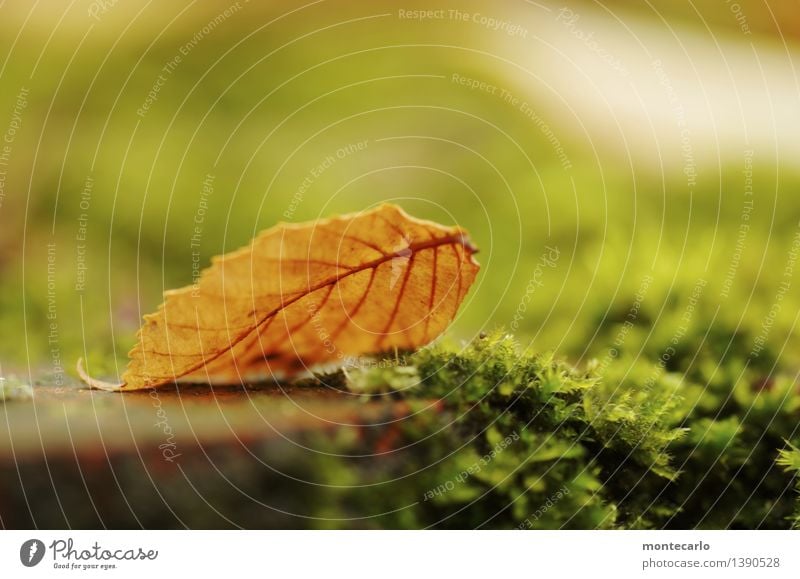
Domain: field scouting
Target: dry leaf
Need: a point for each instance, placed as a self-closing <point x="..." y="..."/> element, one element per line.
<point x="303" y="295"/>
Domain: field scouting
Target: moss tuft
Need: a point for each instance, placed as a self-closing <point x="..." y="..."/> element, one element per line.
<point x="510" y="439"/>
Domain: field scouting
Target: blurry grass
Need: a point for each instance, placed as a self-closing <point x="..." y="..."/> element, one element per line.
<point x="444" y="152"/>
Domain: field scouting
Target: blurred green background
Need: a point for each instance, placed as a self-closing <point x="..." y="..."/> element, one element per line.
<point x="653" y="145"/>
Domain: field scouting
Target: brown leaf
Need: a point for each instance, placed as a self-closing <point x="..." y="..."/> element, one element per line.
<point x="303" y="295"/>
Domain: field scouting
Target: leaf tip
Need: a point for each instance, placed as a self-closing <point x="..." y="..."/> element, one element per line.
<point x="467" y="244"/>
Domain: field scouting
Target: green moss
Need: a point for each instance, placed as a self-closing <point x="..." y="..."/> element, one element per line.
<point x="532" y="442"/>
<point x="789" y="458"/>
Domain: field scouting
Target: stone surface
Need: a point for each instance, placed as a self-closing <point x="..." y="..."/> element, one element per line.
<point x="194" y="457"/>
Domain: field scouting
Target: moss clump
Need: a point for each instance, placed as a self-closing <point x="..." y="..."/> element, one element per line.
<point x="13" y="389"/>
<point x="790" y="459"/>
<point x="528" y="441"/>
